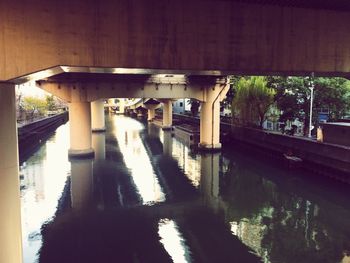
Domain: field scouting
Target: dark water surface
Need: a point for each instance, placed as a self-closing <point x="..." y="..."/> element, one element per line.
<point x="146" y="197"/>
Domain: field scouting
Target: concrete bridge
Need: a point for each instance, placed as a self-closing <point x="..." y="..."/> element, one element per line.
<point x="85" y="51"/>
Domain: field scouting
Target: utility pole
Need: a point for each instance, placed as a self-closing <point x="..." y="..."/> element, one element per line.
<point x="311" y="87"/>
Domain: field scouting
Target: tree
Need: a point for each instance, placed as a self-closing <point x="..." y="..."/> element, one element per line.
<point x="252" y="100"/>
<point x="50" y="103"/>
<point x="293" y="97"/>
<point x="34" y="106"/>
<point x="333" y="94"/>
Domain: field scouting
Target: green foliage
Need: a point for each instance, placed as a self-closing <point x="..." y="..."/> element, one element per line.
<point x="293" y="97"/>
<point x="334" y="94"/>
<point x="34" y="105"/>
<point x="252" y="100"/>
<point x="50" y="103"/>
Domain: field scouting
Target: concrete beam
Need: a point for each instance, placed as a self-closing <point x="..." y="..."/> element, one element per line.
<point x="226" y="36"/>
<point x="155" y="87"/>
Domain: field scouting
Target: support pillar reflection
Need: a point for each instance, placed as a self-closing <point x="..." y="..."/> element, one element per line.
<point x="167" y="143"/>
<point x="98" y="116"/>
<point x="210" y="168"/>
<point x="99" y="145"/>
<point x="81" y="183"/>
<point x="10" y="204"/>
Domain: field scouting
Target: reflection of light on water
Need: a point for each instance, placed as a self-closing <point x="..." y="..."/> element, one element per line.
<point x="44" y="176"/>
<point x="190" y="166"/>
<point x="251" y="233"/>
<point x="234" y="228"/>
<point x="346" y="258"/>
<point x="137" y="160"/>
<point x="172" y="240"/>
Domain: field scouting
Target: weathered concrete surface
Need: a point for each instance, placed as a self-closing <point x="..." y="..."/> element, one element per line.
<point x="176" y="35"/>
<point x="323" y="155"/>
<point x="336" y="133"/>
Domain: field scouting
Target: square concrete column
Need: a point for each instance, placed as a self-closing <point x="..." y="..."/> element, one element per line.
<point x="80" y="129"/>
<point x="98" y="116"/>
<point x="210" y="125"/>
<point x="151" y="114"/>
<point x="10" y="203"/>
<point x="151" y="111"/>
<point x="167" y="114"/>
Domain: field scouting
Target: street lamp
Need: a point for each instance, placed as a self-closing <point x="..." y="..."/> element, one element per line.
<point x="311" y="87"/>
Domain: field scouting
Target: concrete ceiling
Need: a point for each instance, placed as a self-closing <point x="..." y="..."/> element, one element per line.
<point x="338" y="5"/>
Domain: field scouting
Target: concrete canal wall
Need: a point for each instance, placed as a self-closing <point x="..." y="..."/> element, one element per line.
<point x="326" y="158"/>
<point x="330" y="159"/>
<point x="31" y="135"/>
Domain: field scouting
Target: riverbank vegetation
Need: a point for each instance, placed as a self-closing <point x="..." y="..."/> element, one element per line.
<point x="285" y="101"/>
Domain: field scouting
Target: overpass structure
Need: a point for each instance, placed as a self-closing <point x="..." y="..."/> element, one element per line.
<point x="85" y="51"/>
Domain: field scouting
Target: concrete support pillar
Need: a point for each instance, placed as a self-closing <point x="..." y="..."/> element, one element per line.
<point x="151" y="114"/>
<point x="167" y="114"/>
<point x="98" y="116"/>
<point x="151" y="111"/>
<point x="80" y="129"/>
<point x="139" y="113"/>
<point x="210" y="125"/>
<point x="10" y="205"/>
<point x="110" y="102"/>
<point x="121" y="106"/>
<point x="81" y="183"/>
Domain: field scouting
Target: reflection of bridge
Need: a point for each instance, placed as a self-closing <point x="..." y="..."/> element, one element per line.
<point x="124" y="50"/>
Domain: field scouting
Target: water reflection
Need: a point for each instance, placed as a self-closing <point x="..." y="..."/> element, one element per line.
<point x="196" y="207"/>
<point x="81" y="184"/>
<point x="273" y="222"/>
<point x="99" y="145"/>
<point x="167" y="143"/>
<point x="189" y="162"/>
<point x="133" y="150"/>
<point x="173" y="241"/>
<point x="43" y="177"/>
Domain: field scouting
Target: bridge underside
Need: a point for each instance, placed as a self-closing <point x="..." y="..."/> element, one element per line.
<point x="215" y="36"/>
<point x="84" y="51"/>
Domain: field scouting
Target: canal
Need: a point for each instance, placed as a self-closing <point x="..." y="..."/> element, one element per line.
<point x="146" y="197"/>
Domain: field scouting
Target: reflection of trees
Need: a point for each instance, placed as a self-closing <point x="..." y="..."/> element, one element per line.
<point x="246" y="193"/>
<point x="304" y="230"/>
<point x="286" y="227"/>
